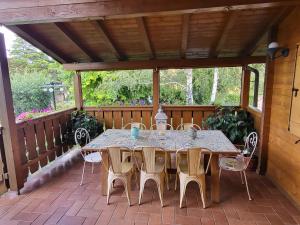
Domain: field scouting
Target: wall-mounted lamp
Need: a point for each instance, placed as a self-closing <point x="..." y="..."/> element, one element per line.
<point x="274" y="51"/>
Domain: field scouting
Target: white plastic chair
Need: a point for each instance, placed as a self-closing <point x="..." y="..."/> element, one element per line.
<point x="120" y="170"/>
<point x="186" y="126"/>
<point x="240" y="162"/>
<point x="192" y="169"/>
<point x="82" y="137"/>
<point x="152" y="168"/>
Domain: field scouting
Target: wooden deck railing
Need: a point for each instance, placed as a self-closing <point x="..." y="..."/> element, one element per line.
<point x="41" y="140"/>
<point x="117" y="117"/>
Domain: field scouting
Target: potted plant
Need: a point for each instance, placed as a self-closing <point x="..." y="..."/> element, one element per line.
<point x="235" y="123"/>
<point x="80" y="119"/>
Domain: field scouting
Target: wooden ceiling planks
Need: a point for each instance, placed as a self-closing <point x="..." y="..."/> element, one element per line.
<point x="226" y="33"/>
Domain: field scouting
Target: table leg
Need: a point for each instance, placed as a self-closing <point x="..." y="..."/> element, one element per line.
<point x="104" y="173"/>
<point x="215" y="180"/>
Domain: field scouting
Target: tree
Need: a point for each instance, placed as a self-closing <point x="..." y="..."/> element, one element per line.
<point x="189" y="86"/>
<point x="215" y="86"/>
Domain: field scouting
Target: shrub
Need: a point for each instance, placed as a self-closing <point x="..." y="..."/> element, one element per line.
<point x="236" y="124"/>
<point x="80" y="119"/>
<point x="28" y="93"/>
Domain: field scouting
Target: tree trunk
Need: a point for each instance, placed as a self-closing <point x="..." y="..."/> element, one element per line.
<point x="215" y="86"/>
<point x="189" y="86"/>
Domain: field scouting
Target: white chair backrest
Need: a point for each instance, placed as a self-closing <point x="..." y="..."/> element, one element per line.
<point x="82" y="136"/>
<point x="186" y="126"/>
<point x="195" y="160"/>
<point x="135" y="124"/>
<point x="251" y="142"/>
<point x="166" y="127"/>
<point x="150" y="157"/>
<point x="115" y="158"/>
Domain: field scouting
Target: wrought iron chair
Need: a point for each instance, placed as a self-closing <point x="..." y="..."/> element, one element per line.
<point x="82" y="137"/>
<point x="192" y="170"/>
<point x="153" y="167"/>
<point x="186" y="126"/>
<point x="241" y="162"/>
<point x="119" y="170"/>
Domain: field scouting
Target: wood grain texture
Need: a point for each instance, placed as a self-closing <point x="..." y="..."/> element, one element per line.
<point x="283" y="154"/>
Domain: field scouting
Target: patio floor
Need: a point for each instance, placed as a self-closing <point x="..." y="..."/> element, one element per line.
<point x="60" y="200"/>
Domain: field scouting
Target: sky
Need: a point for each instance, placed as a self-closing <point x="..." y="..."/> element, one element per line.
<point x="9" y="37"/>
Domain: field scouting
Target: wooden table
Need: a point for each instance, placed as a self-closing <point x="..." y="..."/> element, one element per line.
<point x="171" y="141"/>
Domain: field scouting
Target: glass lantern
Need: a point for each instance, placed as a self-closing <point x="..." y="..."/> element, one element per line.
<point x="161" y="121"/>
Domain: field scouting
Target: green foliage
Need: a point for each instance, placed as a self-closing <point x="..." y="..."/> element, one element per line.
<point x="27" y="92"/>
<point x="80" y="119"/>
<point x="30" y="69"/>
<point x="236" y="124"/>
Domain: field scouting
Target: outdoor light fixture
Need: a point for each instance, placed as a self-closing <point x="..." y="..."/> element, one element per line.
<point x="275" y="51"/>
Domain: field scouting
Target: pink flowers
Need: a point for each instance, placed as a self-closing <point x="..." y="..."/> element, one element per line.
<point x="33" y="114"/>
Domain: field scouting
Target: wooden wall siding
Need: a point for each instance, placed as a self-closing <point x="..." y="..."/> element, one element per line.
<point x="283" y="165"/>
<point x="165" y="32"/>
<point x="117" y="117"/>
<point x="256" y="114"/>
<point x="41" y="140"/>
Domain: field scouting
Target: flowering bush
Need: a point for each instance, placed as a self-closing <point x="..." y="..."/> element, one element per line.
<point x="33" y="114"/>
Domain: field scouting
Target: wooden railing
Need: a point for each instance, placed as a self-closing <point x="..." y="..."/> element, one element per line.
<point x="256" y="114"/>
<point x="41" y="140"/>
<point x="117" y="117"/>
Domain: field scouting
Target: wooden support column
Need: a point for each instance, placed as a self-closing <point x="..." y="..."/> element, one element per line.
<point x="155" y="91"/>
<point x="7" y="119"/>
<point x="245" y="88"/>
<point x="78" y="91"/>
<point x="266" y="109"/>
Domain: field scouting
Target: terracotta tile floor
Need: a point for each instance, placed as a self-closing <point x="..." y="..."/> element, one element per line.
<point x="60" y="200"/>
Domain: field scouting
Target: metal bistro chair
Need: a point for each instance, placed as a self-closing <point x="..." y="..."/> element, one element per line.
<point x="139" y="125"/>
<point x="192" y="170"/>
<point x="241" y="162"/>
<point x="167" y="127"/>
<point x="186" y="126"/>
<point x="82" y="137"/>
<point x="119" y="170"/>
<point x="153" y="168"/>
<point x="126" y="156"/>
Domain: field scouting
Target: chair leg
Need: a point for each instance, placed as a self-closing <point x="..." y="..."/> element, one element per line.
<point x="142" y="185"/>
<point x="167" y="181"/>
<point x="182" y="191"/>
<point x="127" y="184"/>
<point x="202" y="188"/>
<point x="244" y="172"/>
<point x="160" y="187"/>
<point x="92" y="167"/>
<point x="109" y="185"/>
<point x="220" y="172"/>
<point x="241" y="173"/>
<point x="82" y="174"/>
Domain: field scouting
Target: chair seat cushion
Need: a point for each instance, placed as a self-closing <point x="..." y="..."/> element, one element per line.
<point x="183" y="168"/>
<point x="93" y="157"/>
<point x="233" y="164"/>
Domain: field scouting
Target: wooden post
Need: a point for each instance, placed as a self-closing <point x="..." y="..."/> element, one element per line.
<point x="266" y="109"/>
<point x="78" y="91"/>
<point x="155" y="92"/>
<point x="7" y="118"/>
<point x="245" y="88"/>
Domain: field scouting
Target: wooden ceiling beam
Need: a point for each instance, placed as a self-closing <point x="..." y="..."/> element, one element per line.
<point x="185" y="34"/>
<point x="39" y="42"/>
<point x="32" y="11"/>
<point x="223" y="34"/>
<point x="145" y="35"/>
<point x="164" y="64"/>
<point x="101" y="28"/>
<point x="250" y="47"/>
<point x="73" y="37"/>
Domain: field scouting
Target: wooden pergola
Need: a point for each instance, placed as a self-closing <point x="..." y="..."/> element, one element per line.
<point x="86" y="35"/>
